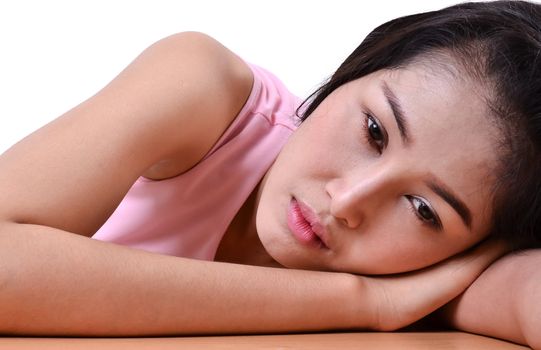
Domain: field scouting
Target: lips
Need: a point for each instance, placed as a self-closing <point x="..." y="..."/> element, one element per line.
<point x="305" y="225"/>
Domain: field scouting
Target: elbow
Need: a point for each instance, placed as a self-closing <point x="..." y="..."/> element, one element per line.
<point x="9" y="272"/>
<point x="530" y="316"/>
<point x="533" y="338"/>
<point x="527" y="301"/>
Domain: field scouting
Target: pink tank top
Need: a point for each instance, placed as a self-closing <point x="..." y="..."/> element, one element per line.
<point x="188" y="215"/>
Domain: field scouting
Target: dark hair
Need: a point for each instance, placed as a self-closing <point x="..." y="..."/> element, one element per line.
<point x="498" y="42"/>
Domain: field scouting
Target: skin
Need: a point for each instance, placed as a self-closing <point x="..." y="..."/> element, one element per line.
<point x="50" y="271"/>
<point x="363" y="191"/>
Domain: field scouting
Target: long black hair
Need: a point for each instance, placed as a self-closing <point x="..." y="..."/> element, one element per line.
<point x="499" y="43"/>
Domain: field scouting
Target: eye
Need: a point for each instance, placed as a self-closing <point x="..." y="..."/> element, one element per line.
<point x="375" y="134"/>
<point x="424" y="212"/>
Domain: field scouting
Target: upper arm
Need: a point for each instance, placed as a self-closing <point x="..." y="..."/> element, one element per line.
<point x="176" y="97"/>
<point x="503" y="302"/>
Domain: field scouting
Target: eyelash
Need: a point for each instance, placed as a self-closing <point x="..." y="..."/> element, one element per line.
<point x="369" y="117"/>
<point x="435" y="221"/>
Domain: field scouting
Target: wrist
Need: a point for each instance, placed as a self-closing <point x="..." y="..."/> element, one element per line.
<point x="360" y="304"/>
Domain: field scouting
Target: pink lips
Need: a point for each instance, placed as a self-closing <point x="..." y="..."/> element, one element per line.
<point x="305" y="225"/>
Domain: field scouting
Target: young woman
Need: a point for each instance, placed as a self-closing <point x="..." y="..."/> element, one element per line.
<point x="386" y="195"/>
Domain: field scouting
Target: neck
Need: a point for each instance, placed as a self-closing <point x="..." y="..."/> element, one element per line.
<point x="241" y="243"/>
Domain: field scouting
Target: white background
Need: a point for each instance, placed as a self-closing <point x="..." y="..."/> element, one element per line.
<point x="55" y="54"/>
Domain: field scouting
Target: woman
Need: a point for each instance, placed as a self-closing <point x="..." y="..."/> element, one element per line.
<point x="384" y="176"/>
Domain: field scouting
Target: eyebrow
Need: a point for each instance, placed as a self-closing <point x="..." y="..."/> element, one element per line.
<point x="398" y="113"/>
<point x="454" y="201"/>
<point x="433" y="183"/>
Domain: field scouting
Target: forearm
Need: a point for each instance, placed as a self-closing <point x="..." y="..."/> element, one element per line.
<point x="57" y="283"/>
<point x="504" y="301"/>
<point x="408" y="297"/>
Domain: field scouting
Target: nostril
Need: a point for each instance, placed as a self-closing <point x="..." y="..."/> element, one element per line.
<point x="344" y="206"/>
<point x="328" y="190"/>
<point x="348" y="216"/>
<point x="351" y="223"/>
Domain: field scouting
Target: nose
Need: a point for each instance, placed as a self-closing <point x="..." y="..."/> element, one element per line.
<point x="355" y="199"/>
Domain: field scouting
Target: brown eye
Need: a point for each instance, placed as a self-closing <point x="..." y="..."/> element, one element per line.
<point x="424" y="212"/>
<point x="374" y="133"/>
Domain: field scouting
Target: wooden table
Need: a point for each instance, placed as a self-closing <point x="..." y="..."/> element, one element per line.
<point x="379" y="341"/>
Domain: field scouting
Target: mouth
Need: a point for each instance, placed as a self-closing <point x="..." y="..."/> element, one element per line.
<point x="305" y="225"/>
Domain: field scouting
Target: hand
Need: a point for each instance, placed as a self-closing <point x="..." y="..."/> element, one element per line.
<point x="400" y="300"/>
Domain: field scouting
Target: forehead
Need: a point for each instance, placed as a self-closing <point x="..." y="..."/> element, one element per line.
<point x="447" y="114"/>
<point x="438" y="93"/>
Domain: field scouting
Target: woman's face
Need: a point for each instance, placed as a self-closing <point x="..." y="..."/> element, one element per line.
<point x="392" y="172"/>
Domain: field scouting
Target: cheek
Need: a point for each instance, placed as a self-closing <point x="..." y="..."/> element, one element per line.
<point x="329" y="144"/>
<point x="309" y="151"/>
<point x="395" y="243"/>
<point x="398" y="256"/>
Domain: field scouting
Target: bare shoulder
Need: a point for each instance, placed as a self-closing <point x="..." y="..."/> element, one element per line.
<point x="222" y="84"/>
<point x="157" y="117"/>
